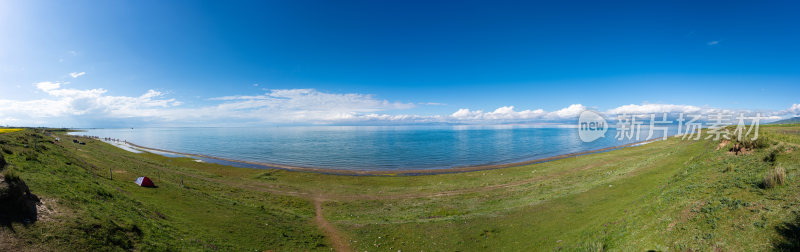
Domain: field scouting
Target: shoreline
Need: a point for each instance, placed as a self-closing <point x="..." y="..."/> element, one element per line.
<point x="413" y="172"/>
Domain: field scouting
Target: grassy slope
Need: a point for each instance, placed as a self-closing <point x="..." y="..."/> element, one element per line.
<point x="792" y="120"/>
<point x="93" y="211"/>
<point x="670" y="195"/>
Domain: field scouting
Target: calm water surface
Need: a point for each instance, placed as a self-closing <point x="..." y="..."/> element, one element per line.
<point x="368" y="147"/>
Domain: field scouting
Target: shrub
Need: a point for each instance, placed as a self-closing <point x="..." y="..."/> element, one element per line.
<point x="9" y="175"/>
<point x="774" y="177"/>
<point x="770" y="157"/>
<point x="760" y="143"/>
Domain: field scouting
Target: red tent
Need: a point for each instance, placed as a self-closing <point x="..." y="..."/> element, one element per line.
<point x="144" y="182"/>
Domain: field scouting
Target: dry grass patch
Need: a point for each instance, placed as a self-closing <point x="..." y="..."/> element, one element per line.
<point x="775" y="177"/>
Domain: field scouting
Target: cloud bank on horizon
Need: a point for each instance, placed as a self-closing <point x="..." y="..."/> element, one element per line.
<point x="68" y="107"/>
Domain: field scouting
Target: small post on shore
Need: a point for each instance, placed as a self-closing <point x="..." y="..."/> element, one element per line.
<point x="110" y="174"/>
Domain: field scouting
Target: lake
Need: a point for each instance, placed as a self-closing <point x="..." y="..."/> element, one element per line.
<point x="369" y="147"/>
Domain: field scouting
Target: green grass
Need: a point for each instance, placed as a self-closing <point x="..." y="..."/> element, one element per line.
<point x="672" y="195"/>
<point x="93" y="212"/>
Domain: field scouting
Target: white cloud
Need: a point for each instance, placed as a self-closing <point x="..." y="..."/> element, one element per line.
<point x="570" y="112"/>
<point x="673" y="110"/>
<point x="305" y="105"/>
<point x="795" y="108"/>
<point x="507" y="113"/>
<point x="653" y="108"/>
<point x="76" y="74"/>
<point x="275" y="106"/>
<point x="715" y="42"/>
<point x="48" y="86"/>
<point x="467" y="114"/>
<point x="63" y="106"/>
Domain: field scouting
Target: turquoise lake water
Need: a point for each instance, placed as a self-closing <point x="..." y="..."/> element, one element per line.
<point x="369" y="147"/>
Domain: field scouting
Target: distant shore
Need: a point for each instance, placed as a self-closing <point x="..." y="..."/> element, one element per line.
<point x="411" y="172"/>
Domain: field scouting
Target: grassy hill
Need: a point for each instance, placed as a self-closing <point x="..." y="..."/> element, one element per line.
<point x="668" y="195"/>
<point x="788" y="121"/>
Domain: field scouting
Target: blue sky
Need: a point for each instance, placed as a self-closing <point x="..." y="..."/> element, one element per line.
<point x="403" y="61"/>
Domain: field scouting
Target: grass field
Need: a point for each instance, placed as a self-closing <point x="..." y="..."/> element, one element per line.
<point x="672" y="195"/>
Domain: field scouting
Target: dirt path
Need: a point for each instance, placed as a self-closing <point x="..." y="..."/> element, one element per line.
<point x="337" y="240"/>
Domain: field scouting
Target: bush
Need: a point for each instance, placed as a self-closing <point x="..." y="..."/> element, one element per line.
<point x="760" y="143"/>
<point x="774" y="177"/>
<point x="770" y="157"/>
